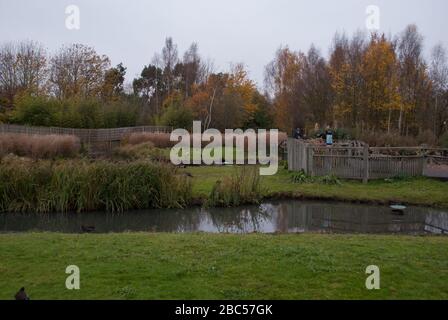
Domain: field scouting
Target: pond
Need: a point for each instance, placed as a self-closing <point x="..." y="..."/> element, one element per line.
<point x="290" y="216"/>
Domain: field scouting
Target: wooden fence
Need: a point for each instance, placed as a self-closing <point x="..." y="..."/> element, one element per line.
<point x="88" y="136"/>
<point x="361" y="163"/>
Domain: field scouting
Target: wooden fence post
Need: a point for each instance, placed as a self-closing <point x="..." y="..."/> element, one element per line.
<point x="310" y="162"/>
<point x="423" y="161"/>
<point x="365" y="177"/>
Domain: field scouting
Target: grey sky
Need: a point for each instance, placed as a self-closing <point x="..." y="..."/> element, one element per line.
<point x="247" y="31"/>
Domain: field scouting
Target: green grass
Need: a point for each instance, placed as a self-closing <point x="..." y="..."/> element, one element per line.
<point x="417" y="191"/>
<point x="202" y="266"/>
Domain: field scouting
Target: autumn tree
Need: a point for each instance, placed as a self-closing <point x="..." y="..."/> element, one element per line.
<point x="347" y="81"/>
<point x="77" y="71"/>
<point x="240" y="85"/>
<point x="205" y="102"/>
<point x="381" y="92"/>
<point x="283" y="80"/>
<point x="113" y="83"/>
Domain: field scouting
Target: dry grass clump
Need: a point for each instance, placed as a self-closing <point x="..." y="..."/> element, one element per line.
<point x="384" y="139"/>
<point x="394" y="139"/>
<point x="162" y="140"/>
<point x="39" y="146"/>
<point x="159" y="140"/>
<point x="143" y="151"/>
<point x="282" y="138"/>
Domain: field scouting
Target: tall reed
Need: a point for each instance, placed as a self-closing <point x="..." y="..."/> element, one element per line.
<point x="80" y="185"/>
<point x="243" y="187"/>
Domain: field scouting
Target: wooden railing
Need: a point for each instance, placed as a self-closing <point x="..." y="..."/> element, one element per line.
<point x="362" y="163"/>
<point x="89" y="136"/>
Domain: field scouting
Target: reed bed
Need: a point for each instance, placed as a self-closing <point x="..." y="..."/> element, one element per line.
<point x="39" y="146"/>
<point x="79" y="185"/>
<point x="243" y="187"/>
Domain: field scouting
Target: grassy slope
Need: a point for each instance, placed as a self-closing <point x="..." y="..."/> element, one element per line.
<point x="420" y="191"/>
<point x="200" y="266"/>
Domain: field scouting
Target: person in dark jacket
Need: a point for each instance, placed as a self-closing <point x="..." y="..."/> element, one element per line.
<point x="298" y="134"/>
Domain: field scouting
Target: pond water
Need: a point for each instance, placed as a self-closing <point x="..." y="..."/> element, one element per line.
<point x="270" y="217"/>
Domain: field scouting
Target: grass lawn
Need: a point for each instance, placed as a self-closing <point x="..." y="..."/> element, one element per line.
<point x="417" y="191"/>
<point x="202" y="266"/>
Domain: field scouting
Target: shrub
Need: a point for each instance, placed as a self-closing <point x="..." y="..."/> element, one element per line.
<point x="330" y="180"/>
<point x="341" y="134"/>
<point x="427" y="137"/>
<point x="381" y="139"/>
<point x="39" y="146"/>
<point x="177" y="117"/>
<point x="141" y="151"/>
<point x="134" y="152"/>
<point x="119" y="114"/>
<point x="443" y="141"/>
<point x="79" y="185"/>
<point x="243" y="187"/>
<point x="35" y="111"/>
<point x="300" y="177"/>
<point x="74" y="113"/>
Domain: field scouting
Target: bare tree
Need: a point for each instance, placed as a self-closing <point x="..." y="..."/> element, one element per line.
<point x="192" y="65"/>
<point x="23" y="67"/>
<point x="170" y="59"/>
<point x="316" y="88"/>
<point x="412" y="74"/>
<point x="439" y="79"/>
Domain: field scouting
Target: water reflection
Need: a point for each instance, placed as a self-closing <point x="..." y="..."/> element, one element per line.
<point x="283" y="217"/>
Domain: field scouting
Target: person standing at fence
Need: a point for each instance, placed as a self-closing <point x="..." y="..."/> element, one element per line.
<point x="329" y="136"/>
<point x="298" y="134"/>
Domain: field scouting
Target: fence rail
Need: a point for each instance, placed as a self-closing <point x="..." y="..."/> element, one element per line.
<point x="89" y="136"/>
<point x="361" y="163"/>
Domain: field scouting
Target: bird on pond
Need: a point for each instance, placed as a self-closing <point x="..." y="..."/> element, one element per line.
<point x="21" y="295"/>
<point x="88" y="229"/>
<point x="398" y="209"/>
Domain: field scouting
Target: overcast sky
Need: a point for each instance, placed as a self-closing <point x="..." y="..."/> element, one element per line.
<point x="248" y="31"/>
